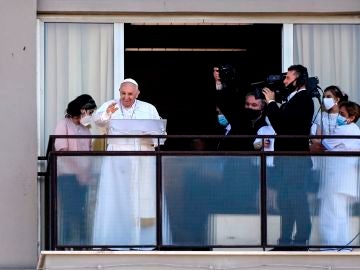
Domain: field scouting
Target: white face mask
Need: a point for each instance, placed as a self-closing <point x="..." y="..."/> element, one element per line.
<point x="85" y="120"/>
<point x="328" y="103"/>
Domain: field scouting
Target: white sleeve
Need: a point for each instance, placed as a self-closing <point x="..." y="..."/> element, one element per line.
<point x="316" y="125"/>
<point x="154" y="113"/>
<point x="259" y="140"/>
<point x="317" y="120"/>
<point x="100" y="116"/>
<point x="314" y="128"/>
<point x="332" y="143"/>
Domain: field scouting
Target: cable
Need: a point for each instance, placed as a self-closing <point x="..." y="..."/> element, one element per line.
<point x="349" y="242"/>
<point x="352" y="240"/>
<point x="314" y="118"/>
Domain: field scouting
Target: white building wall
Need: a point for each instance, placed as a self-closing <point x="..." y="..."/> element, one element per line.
<point x="18" y="154"/>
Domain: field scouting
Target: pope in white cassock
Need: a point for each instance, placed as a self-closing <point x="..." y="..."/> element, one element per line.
<point x="126" y="200"/>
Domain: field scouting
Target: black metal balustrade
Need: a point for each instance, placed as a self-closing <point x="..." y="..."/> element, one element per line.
<point x="204" y="198"/>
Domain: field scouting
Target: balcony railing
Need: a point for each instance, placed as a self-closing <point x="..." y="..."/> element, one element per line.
<point x="201" y="199"/>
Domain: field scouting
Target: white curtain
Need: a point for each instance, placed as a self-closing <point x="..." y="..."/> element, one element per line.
<point x="78" y="60"/>
<point x="332" y="53"/>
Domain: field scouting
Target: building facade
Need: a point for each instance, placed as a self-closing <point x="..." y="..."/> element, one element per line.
<point x="30" y="31"/>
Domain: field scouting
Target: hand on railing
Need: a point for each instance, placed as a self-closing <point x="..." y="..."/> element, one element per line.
<point x="316" y="146"/>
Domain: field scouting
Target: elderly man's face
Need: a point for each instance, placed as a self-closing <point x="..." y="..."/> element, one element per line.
<point x="252" y="103"/>
<point x="128" y="94"/>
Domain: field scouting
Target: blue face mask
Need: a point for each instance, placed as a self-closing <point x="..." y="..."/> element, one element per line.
<point x="341" y="120"/>
<point x="222" y="120"/>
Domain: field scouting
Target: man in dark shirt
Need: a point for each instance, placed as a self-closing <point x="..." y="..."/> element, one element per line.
<point x="244" y="119"/>
<point x="293" y="117"/>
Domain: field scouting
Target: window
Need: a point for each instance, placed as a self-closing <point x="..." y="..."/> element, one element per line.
<point x="78" y="59"/>
<point x="331" y="52"/>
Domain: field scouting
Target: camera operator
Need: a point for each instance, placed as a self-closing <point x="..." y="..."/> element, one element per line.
<point x="245" y="114"/>
<point x="244" y="118"/>
<point x="293" y="117"/>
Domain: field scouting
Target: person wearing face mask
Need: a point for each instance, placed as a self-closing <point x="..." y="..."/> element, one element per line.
<point x="244" y="120"/>
<point x="223" y="122"/>
<point x="76" y="122"/>
<point x="339" y="186"/>
<point x="254" y="112"/>
<point x="293" y="117"/>
<point x="252" y="118"/>
<point x="125" y="212"/>
<point x="74" y="173"/>
<point x="243" y="111"/>
<point x="348" y="115"/>
<point x="224" y="126"/>
<point x="325" y="124"/>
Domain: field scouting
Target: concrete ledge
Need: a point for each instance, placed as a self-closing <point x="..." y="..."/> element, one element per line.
<point x="223" y="260"/>
<point x="263" y="6"/>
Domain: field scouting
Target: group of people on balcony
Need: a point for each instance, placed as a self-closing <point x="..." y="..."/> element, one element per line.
<point x="338" y="187"/>
<point x="125" y="209"/>
<point x="339" y="175"/>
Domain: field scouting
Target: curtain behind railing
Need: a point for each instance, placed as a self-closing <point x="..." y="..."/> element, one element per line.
<point x="78" y="60"/>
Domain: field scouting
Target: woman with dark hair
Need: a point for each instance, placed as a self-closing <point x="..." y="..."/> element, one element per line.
<point x="73" y="172"/>
<point x="325" y="125"/>
<point x="339" y="185"/>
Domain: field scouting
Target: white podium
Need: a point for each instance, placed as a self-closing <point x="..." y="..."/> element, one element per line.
<point x="137" y="127"/>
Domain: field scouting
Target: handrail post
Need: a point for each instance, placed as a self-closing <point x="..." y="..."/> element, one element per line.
<point x="263" y="196"/>
<point x="159" y="197"/>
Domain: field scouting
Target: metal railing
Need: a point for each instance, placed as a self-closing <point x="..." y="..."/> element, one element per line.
<point x="204" y="198"/>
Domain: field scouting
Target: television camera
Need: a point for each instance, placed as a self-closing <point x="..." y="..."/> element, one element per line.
<point x="275" y="84"/>
<point x="227" y="75"/>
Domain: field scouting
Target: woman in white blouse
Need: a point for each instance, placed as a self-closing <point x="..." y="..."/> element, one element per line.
<point x="325" y="123"/>
<point x="339" y="185"/>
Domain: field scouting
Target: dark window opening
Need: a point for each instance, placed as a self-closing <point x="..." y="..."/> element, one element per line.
<point x="173" y="66"/>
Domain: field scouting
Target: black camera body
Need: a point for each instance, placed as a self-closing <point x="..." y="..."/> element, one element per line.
<point x="275" y="84"/>
<point x="313" y="87"/>
<point x="227" y="74"/>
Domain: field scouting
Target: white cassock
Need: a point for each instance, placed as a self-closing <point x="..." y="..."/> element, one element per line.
<point x="338" y="187"/>
<point x="127" y="188"/>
